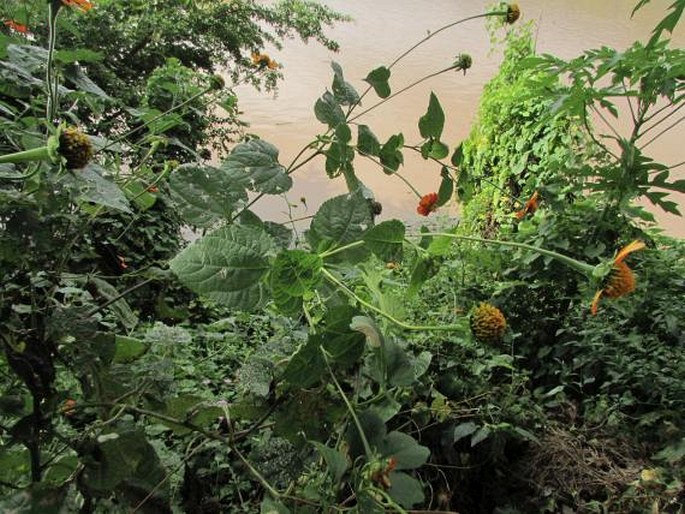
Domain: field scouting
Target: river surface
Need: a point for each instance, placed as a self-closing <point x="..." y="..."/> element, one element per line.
<point x="384" y="29"/>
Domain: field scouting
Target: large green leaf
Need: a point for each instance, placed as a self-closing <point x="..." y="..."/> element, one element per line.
<point x="254" y="165"/>
<point x="378" y="79"/>
<point x="405" y="490"/>
<point x="335" y="460"/>
<point x="306" y="366"/>
<point x="227" y="265"/>
<point x="295" y="272"/>
<point x="408" y="454"/>
<point x="367" y="142"/>
<point x="385" y="240"/>
<point x="339" y="157"/>
<point x="327" y="110"/>
<point x="432" y="123"/>
<point x="339" y="221"/>
<point x="281" y="234"/>
<point x="342" y="90"/>
<point x="205" y="195"/>
<point x="126" y="463"/>
<point x="119" y="456"/>
<point x="343" y="344"/>
<point x="128" y="349"/>
<point x="192" y="409"/>
<point x="446" y="187"/>
<point x="120" y="308"/>
<point x="93" y="187"/>
<point x="391" y="153"/>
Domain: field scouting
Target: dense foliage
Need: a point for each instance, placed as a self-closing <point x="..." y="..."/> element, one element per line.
<point x="528" y="358"/>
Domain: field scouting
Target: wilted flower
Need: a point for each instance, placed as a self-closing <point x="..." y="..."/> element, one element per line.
<point x="263" y="61"/>
<point x="68" y="407"/>
<point x="83" y="5"/>
<point x="488" y="323"/>
<point x="428" y="204"/>
<point x="75" y="147"/>
<point x="16" y="27"/>
<point x="513" y="13"/>
<point x="621" y="280"/>
<point x="530" y="206"/>
<point x="463" y="62"/>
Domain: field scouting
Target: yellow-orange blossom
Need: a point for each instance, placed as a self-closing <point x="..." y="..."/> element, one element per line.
<point x="84" y="5"/>
<point x="622" y="280"/>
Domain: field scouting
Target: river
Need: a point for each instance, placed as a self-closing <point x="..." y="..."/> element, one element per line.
<point x="383" y="29"/>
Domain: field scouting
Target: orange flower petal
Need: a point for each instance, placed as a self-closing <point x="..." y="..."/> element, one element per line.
<point x="427" y="204"/>
<point x="83" y="5"/>
<point x="16" y="27"/>
<point x="628" y="249"/>
<point x="530" y="207"/>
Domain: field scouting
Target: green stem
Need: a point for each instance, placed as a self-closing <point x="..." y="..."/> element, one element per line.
<point x="404" y="89"/>
<point x="357" y="423"/>
<point x="341" y="249"/>
<point x="430" y="328"/>
<point x="391" y="171"/>
<point x="429" y="36"/>
<point x="159" y="116"/>
<point x="582" y="267"/>
<point x="34" y="154"/>
<point x="50" y="83"/>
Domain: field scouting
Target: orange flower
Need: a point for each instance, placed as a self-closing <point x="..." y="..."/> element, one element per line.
<point x="68" y="407"/>
<point x="621" y="280"/>
<point x="428" y="204"/>
<point x="263" y="61"/>
<point x="83" y="5"/>
<point x="530" y="207"/>
<point x="153" y="189"/>
<point x="16" y="27"/>
<point x="122" y="262"/>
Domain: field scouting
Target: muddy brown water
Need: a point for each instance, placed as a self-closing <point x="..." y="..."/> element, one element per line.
<point x="382" y="30"/>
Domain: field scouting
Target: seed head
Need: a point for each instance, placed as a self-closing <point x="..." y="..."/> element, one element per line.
<point x="75" y="147"/>
<point x="487" y="323"/>
<point x="463" y="62"/>
<point x="513" y="13"/>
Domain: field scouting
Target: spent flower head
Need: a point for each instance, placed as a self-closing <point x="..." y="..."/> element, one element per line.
<point x="487" y="323"/>
<point x="463" y="62"/>
<point x="513" y="13"/>
<point x="75" y="147"/>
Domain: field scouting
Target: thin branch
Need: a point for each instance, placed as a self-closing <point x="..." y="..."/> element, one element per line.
<point x="406" y="88"/>
<point x="591" y="133"/>
<point x="392" y="171"/>
<point x="606" y="122"/>
<point x="118" y="297"/>
<point x="662" y="132"/>
<point x="429" y="36"/>
<point x="657" y="123"/>
<point x="630" y="104"/>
